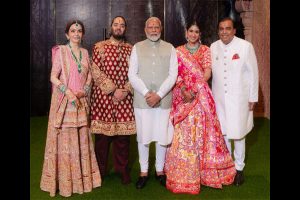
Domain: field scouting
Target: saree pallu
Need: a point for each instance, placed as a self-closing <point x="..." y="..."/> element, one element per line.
<point x="198" y="153"/>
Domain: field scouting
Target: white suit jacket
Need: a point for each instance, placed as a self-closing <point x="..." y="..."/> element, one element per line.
<point x="234" y="84"/>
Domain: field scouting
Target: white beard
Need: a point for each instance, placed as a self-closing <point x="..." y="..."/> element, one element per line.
<point x="153" y="38"/>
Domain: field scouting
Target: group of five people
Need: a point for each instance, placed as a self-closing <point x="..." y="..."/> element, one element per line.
<point x="157" y="92"/>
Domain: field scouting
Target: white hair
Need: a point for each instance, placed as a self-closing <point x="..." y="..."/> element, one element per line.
<point x="153" y="18"/>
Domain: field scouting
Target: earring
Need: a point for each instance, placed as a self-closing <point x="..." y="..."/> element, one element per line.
<point x="187" y="39"/>
<point x="199" y="41"/>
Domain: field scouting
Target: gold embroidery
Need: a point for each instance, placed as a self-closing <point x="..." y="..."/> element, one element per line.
<point x="113" y="128"/>
<point x="128" y="87"/>
<point x="101" y="80"/>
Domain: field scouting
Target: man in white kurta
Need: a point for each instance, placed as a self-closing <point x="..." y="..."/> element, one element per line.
<point x="152" y="73"/>
<point x="235" y="89"/>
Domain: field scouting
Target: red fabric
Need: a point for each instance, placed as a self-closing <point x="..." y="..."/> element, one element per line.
<point x="198" y="153"/>
<point x="109" y="117"/>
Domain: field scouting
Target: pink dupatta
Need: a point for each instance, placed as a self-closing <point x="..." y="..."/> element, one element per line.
<point x="190" y="74"/>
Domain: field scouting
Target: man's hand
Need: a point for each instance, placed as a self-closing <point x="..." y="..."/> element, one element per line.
<point x="120" y="94"/>
<point x="251" y="106"/>
<point x="152" y="99"/>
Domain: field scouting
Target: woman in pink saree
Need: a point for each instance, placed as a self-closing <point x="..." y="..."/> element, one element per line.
<point x="70" y="164"/>
<point x="198" y="154"/>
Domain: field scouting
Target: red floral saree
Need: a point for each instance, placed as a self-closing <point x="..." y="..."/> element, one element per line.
<point x="198" y="153"/>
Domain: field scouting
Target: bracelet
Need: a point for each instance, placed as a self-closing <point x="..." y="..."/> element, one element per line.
<point x="183" y="88"/>
<point x="62" y="88"/>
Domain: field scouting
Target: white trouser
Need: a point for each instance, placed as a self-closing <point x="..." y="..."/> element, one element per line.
<point x="144" y="156"/>
<point x="239" y="151"/>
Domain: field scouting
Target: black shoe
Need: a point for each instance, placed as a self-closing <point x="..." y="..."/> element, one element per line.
<point x="125" y="178"/>
<point x="239" y="178"/>
<point x="141" y="182"/>
<point x="161" y="178"/>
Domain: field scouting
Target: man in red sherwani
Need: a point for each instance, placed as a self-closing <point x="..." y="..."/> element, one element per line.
<point x="112" y="118"/>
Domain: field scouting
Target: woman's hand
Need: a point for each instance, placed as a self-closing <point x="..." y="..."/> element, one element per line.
<point x="187" y="96"/>
<point x="79" y="94"/>
<point x="73" y="99"/>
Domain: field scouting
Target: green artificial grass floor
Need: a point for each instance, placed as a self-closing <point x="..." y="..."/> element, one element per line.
<point x="256" y="171"/>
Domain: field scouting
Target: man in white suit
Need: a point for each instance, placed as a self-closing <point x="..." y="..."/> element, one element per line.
<point x="235" y="89"/>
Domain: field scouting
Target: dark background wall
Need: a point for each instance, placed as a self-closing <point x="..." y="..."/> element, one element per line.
<point x="206" y="12"/>
<point x="48" y="20"/>
<point x="42" y="37"/>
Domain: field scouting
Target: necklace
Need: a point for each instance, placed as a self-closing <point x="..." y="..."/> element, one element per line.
<point x="75" y="58"/>
<point x="192" y="49"/>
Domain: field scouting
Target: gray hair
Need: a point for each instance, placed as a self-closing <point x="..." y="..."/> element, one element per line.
<point x="153" y="18"/>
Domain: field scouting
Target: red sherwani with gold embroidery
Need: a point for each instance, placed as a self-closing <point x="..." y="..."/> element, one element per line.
<point x="112" y="121"/>
<point x="109" y="70"/>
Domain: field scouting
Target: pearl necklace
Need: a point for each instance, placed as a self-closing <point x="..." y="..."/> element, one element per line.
<point x="75" y="58"/>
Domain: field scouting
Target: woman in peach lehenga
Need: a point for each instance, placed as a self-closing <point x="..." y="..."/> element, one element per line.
<point x="70" y="164"/>
<point x="198" y="153"/>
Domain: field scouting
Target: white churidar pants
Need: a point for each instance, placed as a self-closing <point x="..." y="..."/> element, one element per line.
<point x="144" y="156"/>
<point x="239" y="151"/>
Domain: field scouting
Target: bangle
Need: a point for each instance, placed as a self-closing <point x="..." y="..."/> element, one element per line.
<point x="182" y="88"/>
<point x="62" y="88"/>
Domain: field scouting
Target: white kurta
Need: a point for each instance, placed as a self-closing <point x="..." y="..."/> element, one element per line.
<point x="153" y="124"/>
<point x="234" y="85"/>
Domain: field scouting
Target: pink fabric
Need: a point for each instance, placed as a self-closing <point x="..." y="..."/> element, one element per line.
<point x="70" y="164"/>
<point x="190" y="74"/>
<point x="56" y="69"/>
<point x="198" y="153"/>
<point x="74" y="84"/>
